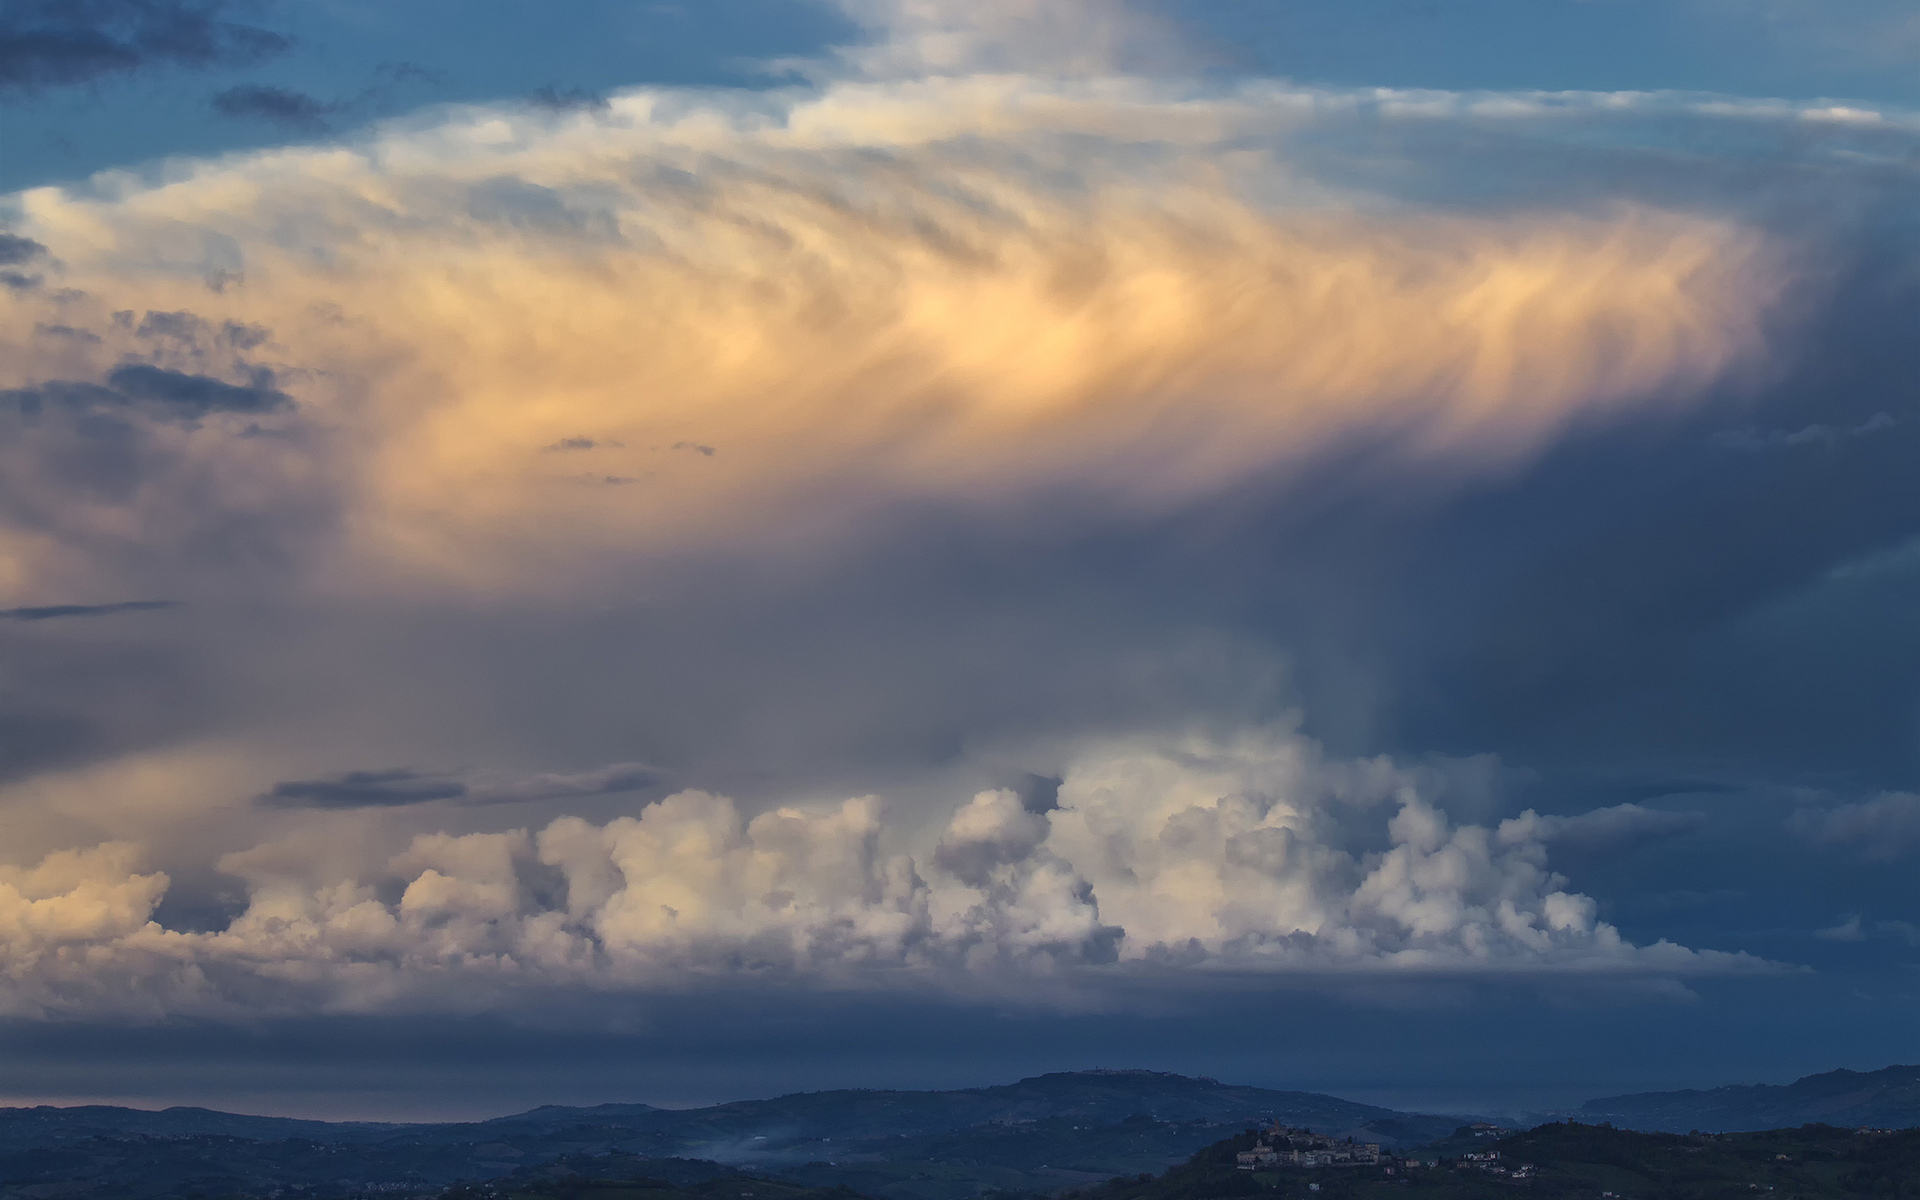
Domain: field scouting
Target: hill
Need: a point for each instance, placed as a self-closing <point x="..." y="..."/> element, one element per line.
<point x="1883" y="1099"/>
<point x="1037" y="1135"/>
<point x="801" y="1127"/>
<point x="1564" y="1161"/>
<point x="47" y="1125"/>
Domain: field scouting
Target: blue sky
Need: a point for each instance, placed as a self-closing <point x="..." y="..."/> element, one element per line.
<point x="380" y="60"/>
<point x="629" y="551"/>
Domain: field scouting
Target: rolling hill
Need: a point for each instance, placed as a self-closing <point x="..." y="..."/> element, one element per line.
<point x="1885" y="1099"/>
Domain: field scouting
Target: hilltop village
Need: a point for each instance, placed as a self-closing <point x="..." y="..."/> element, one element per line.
<point x="1305" y="1148"/>
<point x="1283" y="1145"/>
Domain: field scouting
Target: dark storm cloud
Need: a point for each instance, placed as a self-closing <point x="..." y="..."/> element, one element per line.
<point x="281" y="106"/>
<point x="1687" y="603"/>
<point x="399" y="787"/>
<point x="197" y="395"/>
<point x="363" y="789"/>
<point x="15" y="250"/>
<point x="174" y="394"/>
<point x="55" y="43"/>
<point x="52" y="612"/>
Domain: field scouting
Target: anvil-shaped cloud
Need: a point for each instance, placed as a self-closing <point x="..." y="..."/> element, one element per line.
<point x="974" y="291"/>
<point x="512" y="358"/>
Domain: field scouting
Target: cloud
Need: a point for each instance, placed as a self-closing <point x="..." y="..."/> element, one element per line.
<point x="567" y="100"/>
<point x="49" y="612"/>
<point x="196" y="395"/>
<point x="990" y="322"/>
<point x="362" y="789"/>
<point x="281" y="106"/>
<point x="1809" y="435"/>
<point x="70" y="900"/>
<point x="1854" y="929"/>
<point x="979" y="350"/>
<point x="16" y="250"/>
<point x="400" y="787"/>
<point x="1886" y="827"/>
<point x="1190" y="855"/>
<point x="56" y="43"/>
<point x="1604" y="830"/>
<point x="176" y="394"/>
<point x="917" y="38"/>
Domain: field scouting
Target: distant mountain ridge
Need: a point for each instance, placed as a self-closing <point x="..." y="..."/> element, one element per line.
<point x="48" y="1123"/>
<point x="1036" y="1135"/>
<point x="1885" y="1099"/>
<point x="1095" y="1096"/>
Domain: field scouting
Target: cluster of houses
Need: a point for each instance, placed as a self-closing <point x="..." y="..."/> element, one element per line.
<point x="1491" y="1162"/>
<point x="1283" y="1144"/>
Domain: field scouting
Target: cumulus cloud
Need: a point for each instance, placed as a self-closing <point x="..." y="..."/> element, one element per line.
<point x="1193" y="854"/>
<point x="1885" y="828"/>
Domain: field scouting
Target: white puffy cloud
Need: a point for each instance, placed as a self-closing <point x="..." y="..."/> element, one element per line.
<point x="1252" y="855"/>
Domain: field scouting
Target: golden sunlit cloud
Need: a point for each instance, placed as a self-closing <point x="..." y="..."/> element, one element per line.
<point x="514" y="345"/>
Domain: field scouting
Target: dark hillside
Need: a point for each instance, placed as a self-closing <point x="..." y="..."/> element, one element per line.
<point x="1883" y="1099"/>
<point x="45" y="1124"/>
<point x="1035" y="1136"/>
<point x="799" y="1121"/>
<point x="1569" y="1160"/>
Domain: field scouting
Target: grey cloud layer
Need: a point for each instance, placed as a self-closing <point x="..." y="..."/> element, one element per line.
<point x="1885" y="827"/>
<point x="399" y="787"/>
<point x="54" y="43"/>
<point x="282" y="106"/>
<point x="51" y="612"/>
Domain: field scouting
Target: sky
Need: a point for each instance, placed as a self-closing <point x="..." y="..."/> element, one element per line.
<point x="627" y="551"/>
